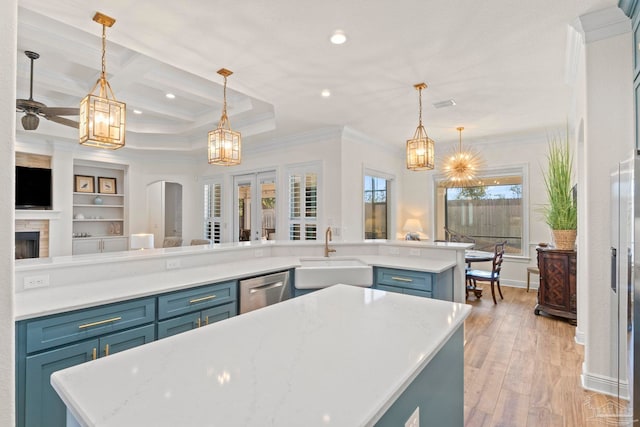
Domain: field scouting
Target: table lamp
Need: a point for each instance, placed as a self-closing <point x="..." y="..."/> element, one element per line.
<point x="141" y="241"/>
<point x="413" y="228"/>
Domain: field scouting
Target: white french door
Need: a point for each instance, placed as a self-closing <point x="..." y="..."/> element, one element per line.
<point x="254" y="216"/>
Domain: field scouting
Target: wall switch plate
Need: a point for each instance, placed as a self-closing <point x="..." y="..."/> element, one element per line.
<point x="39" y="281"/>
<point x="414" y="252"/>
<point x="172" y="264"/>
<point x="414" y="419"/>
<point x="394" y="251"/>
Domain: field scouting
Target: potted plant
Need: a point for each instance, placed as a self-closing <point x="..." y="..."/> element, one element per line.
<point x="561" y="213"/>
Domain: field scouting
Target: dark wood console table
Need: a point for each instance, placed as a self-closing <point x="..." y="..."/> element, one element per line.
<point x="557" y="291"/>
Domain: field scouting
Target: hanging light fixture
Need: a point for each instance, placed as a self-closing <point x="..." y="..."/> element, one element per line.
<point x="420" y="151"/>
<point x="224" y="144"/>
<point x="461" y="167"/>
<point x="102" y="117"/>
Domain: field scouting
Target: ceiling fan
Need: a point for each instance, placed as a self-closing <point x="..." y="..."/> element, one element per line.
<point x="33" y="109"/>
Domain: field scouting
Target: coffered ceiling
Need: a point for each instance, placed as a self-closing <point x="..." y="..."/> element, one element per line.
<point x="503" y="63"/>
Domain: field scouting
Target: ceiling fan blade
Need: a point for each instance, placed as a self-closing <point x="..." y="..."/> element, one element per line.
<point x="60" y="111"/>
<point x="63" y="121"/>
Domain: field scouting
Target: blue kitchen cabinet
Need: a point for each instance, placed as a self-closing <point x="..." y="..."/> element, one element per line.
<point x="51" y="343"/>
<point x="418" y="283"/>
<point x="193" y="308"/>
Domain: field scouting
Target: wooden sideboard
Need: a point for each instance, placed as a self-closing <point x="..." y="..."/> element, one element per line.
<point x="557" y="291"/>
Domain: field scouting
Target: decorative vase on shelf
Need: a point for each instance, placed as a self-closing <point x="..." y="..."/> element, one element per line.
<point x="97" y="200"/>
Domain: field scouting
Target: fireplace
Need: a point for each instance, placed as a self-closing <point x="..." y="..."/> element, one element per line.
<point x="27" y="244"/>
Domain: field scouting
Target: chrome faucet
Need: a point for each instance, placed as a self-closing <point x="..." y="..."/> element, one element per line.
<point x="327" y="238"/>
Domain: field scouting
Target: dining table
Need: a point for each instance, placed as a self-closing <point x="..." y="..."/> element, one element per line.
<point x="471" y="256"/>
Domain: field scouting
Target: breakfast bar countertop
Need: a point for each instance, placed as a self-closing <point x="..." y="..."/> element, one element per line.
<point x="340" y="356"/>
<point x="53" y="300"/>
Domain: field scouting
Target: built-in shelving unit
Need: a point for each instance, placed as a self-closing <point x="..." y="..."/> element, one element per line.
<point x="99" y="218"/>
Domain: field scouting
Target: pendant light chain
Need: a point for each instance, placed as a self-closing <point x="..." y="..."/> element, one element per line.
<point x="420" y="102"/>
<point x="224" y="97"/>
<point x="104" y="51"/>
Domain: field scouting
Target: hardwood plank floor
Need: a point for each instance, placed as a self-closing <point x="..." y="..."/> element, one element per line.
<point x="524" y="370"/>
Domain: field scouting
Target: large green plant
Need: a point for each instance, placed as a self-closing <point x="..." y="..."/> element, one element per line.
<point x="561" y="213"/>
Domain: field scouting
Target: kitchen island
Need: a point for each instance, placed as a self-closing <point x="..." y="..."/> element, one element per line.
<point x="342" y="356"/>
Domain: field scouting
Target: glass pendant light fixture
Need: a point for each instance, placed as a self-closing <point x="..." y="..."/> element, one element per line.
<point x="224" y="143"/>
<point x="102" y="117"/>
<point x="420" y="150"/>
<point x="461" y="167"/>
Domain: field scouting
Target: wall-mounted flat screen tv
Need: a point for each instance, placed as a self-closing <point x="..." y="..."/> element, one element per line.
<point x="33" y="188"/>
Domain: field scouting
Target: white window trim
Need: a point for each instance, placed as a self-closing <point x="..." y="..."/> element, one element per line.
<point x="213" y="181"/>
<point x="302" y="169"/>
<point x="391" y="201"/>
<point x="517" y="169"/>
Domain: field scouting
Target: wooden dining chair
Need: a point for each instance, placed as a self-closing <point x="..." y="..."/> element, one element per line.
<point x="493" y="276"/>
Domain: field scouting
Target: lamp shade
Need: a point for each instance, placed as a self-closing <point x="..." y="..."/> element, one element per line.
<point x="412" y="226"/>
<point x="141" y="241"/>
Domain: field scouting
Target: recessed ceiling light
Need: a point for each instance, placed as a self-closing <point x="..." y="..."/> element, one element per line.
<point x="170" y="95"/>
<point x="338" y="37"/>
<point x="137" y="112"/>
<point x="325" y="93"/>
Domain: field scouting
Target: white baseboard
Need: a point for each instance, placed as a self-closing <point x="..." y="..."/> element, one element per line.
<point x="519" y="284"/>
<point x="604" y="385"/>
<point x="579" y="336"/>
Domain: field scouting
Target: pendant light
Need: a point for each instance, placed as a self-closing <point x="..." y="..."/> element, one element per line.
<point x="420" y="150"/>
<point x="461" y="167"/>
<point x="224" y="144"/>
<point x="102" y="117"/>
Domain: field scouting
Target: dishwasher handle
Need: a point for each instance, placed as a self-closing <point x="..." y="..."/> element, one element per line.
<point x="266" y="287"/>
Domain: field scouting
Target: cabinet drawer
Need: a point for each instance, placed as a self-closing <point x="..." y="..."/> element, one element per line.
<point x="389" y="288"/>
<point x="418" y="293"/>
<point x="405" y="279"/>
<point x="190" y="300"/>
<point x="78" y="325"/>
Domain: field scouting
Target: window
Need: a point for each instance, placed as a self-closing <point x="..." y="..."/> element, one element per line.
<point x="489" y="212"/>
<point x="303" y="203"/>
<point x="213" y="212"/>
<point x="376" y="207"/>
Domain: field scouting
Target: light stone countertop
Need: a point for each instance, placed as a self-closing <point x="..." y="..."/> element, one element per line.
<point x="52" y="300"/>
<point x="340" y="356"/>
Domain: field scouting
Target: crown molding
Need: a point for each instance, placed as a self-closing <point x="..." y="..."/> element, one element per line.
<point x="354" y="135"/>
<point x="604" y="24"/>
<point x="628" y="6"/>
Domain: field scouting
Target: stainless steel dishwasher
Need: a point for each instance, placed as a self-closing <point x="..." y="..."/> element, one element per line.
<point x="262" y="291"/>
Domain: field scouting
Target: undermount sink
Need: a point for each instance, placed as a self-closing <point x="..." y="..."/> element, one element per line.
<point x="316" y="273"/>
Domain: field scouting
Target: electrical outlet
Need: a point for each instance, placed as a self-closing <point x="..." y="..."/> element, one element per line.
<point x="394" y="251"/>
<point x="414" y="419"/>
<point x="414" y="252"/>
<point x="39" y="281"/>
<point x="172" y="264"/>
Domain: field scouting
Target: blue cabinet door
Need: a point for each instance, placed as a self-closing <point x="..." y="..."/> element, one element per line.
<point x="217" y="314"/>
<point x="44" y="407"/>
<point x="121" y="341"/>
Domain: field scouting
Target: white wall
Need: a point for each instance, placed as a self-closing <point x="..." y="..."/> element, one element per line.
<point x="8" y="53"/>
<point x="608" y="139"/>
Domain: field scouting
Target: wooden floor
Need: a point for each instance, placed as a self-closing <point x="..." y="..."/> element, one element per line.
<point x="524" y="370"/>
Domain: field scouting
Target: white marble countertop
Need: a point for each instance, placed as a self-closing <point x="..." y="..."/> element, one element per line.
<point x="339" y="356"/>
<point x="52" y="300"/>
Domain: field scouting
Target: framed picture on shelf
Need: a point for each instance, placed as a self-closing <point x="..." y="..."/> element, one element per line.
<point x="106" y="185"/>
<point x="84" y="184"/>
